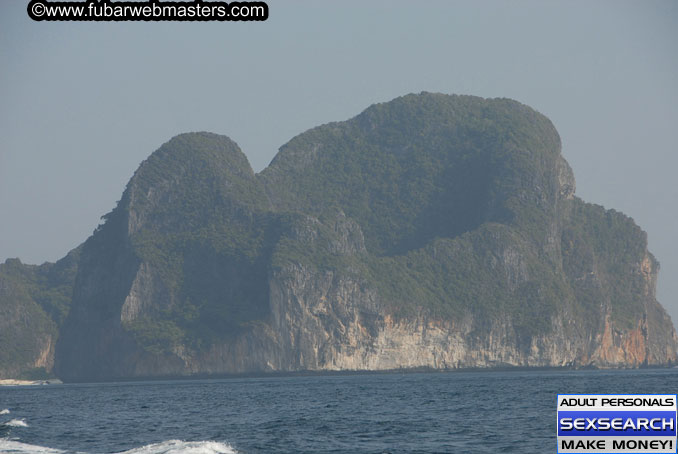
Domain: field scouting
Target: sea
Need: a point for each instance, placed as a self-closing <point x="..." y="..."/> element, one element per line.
<point x="443" y="412"/>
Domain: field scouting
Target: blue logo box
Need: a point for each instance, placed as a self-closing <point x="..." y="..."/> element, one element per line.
<point x="617" y="423"/>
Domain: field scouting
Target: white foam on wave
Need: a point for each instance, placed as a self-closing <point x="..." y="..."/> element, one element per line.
<point x="16" y="447"/>
<point x="184" y="447"/>
<point x="16" y="423"/>
<point x="4" y="412"/>
<point x="165" y="447"/>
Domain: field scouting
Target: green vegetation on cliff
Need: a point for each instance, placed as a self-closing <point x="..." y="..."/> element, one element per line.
<point x="605" y="256"/>
<point x="34" y="302"/>
<point x="420" y="167"/>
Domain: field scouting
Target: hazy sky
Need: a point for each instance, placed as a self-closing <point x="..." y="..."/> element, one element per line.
<point x="82" y="104"/>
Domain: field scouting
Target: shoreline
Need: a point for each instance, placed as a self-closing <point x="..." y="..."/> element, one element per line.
<point x="17" y="382"/>
<point x="312" y="373"/>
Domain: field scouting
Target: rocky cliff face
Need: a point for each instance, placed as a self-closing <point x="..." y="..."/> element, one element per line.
<point x="27" y="334"/>
<point x="325" y="320"/>
<point x="431" y="231"/>
<point x="34" y="301"/>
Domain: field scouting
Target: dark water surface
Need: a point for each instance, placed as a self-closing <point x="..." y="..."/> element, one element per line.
<point x="458" y="412"/>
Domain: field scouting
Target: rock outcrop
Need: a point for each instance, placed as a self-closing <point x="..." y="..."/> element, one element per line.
<point x="34" y="302"/>
<point x="431" y="231"/>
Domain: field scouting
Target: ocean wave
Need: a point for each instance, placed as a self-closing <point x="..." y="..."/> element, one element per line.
<point x="16" y="423"/>
<point x="16" y="447"/>
<point x="184" y="447"/>
<point x="165" y="447"/>
<point x="4" y="412"/>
